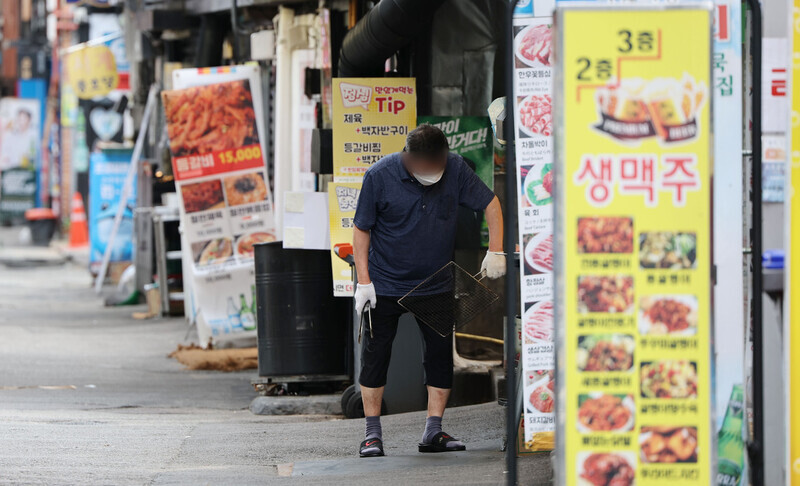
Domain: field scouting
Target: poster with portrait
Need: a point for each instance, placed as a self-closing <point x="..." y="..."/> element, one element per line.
<point x="20" y="142"/>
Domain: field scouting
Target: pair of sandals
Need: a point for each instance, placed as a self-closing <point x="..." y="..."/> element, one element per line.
<point x="374" y="447"/>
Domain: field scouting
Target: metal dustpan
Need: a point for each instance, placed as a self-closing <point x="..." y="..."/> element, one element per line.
<point x="448" y="299"/>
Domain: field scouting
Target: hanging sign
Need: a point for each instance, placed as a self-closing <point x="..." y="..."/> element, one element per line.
<point x="92" y="71"/>
<point x="371" y="118"/>
<point x="633" y="246"/>
<point x="226" y="206"/>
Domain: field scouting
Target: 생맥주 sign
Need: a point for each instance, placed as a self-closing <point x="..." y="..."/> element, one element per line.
<point x="633" y="239"/>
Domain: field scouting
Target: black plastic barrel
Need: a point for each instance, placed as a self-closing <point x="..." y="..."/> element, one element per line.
<point x="302" y="327"/>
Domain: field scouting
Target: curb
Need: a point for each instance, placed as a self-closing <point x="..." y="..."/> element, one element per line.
<point x="297" y="405"/>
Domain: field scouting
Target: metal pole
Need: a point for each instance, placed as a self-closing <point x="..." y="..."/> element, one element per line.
<point x="756" y="446"/>
<point x="126" y="188"/>
<point x="510" y="247"/>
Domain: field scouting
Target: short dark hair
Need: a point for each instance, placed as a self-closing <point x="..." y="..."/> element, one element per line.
<point x="426" y="141"/>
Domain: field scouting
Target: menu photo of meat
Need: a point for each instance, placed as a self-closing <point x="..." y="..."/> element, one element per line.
<point x="605" y="234"/>
<point x="202" y="196"/>
<point x="606" y="352"/>
<point x="668" y="444"/>
<point x="602" y="412"/>
<point x="541" y="384"/>
<point x="207" y="119"/>
<point x="537" y="323"/>
<point x="673" y="379"/>
<point x="538" y="253"/>
<point x="537" y="187"/>
<point x="674" y="315"/>
<point x="533" y="44"/>
<point x="611" y="294"/>
<point x="535" y="116"/>
<point x="612" y="468"/>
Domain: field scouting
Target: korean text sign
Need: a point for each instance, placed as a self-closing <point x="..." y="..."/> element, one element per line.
<point x="371" y="118"/>
<point x="226" y="206"/>
<point x="633" y="245"/>
<point x="342" y="200"/>
<point x="533" y="37"/>
<point x="92" y="71"/>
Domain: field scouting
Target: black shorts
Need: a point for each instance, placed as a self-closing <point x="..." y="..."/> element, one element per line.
<point x="376" y="352"/>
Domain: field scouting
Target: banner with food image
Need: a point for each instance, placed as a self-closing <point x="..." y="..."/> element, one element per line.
<point x="534" y="147"/>
<point x="226" y="205"/>
<point x="634" y="245"/>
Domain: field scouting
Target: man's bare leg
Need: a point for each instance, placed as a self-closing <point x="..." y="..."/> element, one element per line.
<point x="437" y="402"/>
<point x="372" y="398"/>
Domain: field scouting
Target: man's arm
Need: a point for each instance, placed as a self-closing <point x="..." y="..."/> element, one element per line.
<point x="361" y="254"/>
<point x="494" y="220"/>
<point x="494" y="264"/>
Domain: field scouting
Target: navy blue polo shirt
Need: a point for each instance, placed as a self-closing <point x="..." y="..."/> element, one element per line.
<point x="413" y="227"/>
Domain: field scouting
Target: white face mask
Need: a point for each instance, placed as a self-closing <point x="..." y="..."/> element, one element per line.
<point x="428" y="180"/>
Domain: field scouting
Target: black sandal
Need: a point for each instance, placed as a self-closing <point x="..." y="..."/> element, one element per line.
<point x="371" y="448"/>
<point x="439" y="444"/>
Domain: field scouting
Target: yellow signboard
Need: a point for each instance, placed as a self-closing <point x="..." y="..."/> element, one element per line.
<point x="793" y="272"/>
<point x="633" y="234"/>
<point x="371" y="118"/>
<point x="342" y="200"/>
<point x="92" y="71"/>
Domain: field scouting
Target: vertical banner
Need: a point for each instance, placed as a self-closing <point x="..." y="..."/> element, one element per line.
<point x="225" y="200"/>
<point x="190" y="77"/>
<point x="729" y="307"/>
<point x="792" y="333"/>
<point x="20" y="140"/>
<point x="633" y="246"/>
<point x="342" y="200"/>
<point x="107" y="171"/>
<point x="534" y="148"/>
<point x="371" y="119"/>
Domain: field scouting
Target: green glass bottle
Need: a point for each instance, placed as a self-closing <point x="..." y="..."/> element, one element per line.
<point x="730" y="445"/>
<point x="254" y="306"/>
<point x="246" y="314"/>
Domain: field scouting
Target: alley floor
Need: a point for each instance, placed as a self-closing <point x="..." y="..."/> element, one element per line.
<point x="88" y="396"/>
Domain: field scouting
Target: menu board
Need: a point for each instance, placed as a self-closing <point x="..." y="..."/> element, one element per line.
<point x="633" y="244"/>
<point x="225" y="205"/>
<point x="534" y="149"/>
<point x="342" y="200"/>
<point x="371" y="119"/>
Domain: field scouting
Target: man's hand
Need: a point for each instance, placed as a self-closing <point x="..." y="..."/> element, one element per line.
<point x="494" y="264"/>
<point x="366" y="293"/>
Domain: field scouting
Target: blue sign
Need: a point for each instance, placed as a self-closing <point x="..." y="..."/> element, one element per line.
<point x="107" y="172"/>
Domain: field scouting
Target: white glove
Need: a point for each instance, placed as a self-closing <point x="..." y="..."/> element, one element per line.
<point x="364" y="294"/>
<point x="494" y="264"/>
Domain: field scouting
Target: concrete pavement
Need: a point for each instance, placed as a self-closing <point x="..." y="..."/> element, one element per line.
<point x="88" y="396"/>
